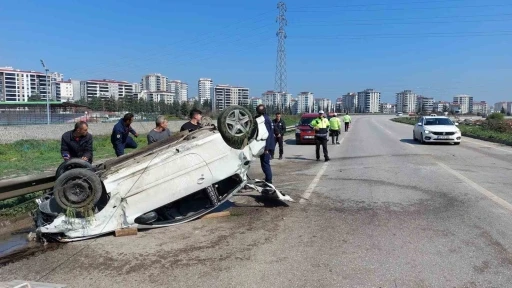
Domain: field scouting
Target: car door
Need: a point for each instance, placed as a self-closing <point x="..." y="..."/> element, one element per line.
<point x="417" y="127"/>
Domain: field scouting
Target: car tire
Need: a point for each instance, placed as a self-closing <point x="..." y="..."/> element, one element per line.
<point x="72" y="164"/>
<point x="414" y="136"/>
<point x="77" y="188"/>
<point x="236" y="124"/>
<point x="421" y="139"/>
<point x="297" y="141"/>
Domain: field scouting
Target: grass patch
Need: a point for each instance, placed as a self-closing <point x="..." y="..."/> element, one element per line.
<point x="26" y="157"/>
<point x="490" y="130"/>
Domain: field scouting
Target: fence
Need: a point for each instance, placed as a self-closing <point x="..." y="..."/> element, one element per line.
<point x="8" y="118"/>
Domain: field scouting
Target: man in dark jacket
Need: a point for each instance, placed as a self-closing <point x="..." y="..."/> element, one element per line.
<point x="77" y="143"/>
<point x="280" y="129"/>
<point x="269" y="146"/>
<point x="120" y="138"/>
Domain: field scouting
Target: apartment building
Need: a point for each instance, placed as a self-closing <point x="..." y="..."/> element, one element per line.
<point x="226" y="95"/>
<point x="465" y="102"/>
<point x="339" y="105"/>
<point x="441" y="106"/>
<point x="205" y="89"/>
<point x="350" y="102"/>
<point x="426" y="104"/>
<point x="305" y="102"/>
<point x="406" y="101"/>
<point x="157" y="96"/>
<point x="104" y="89"/>
<point x="456" y="108"/>
<point x="179" y="88"/>
<point x="480" y="107"/>
<point x="154" y="82"/>
<point x="256" y="101"/>
<point x="62" y="91"/>
<point x="18" y="85"/>
<point x="323" y="104"/>
<point x="368" y="101"/>
<point x="498" y="107"/>
<point x="387" y="108"/>
<point x="279" y="100"/>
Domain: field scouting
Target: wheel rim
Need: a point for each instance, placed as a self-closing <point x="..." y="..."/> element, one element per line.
<point x="77" y="192"/>
<point x="238" y="123"/>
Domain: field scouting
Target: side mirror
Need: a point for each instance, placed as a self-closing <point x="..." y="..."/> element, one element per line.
<point x="456" y="123"/>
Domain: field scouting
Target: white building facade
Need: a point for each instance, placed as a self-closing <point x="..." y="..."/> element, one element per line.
<point x="369" y="101"/>
<point x="18" y="85"/>
<point x="305" y="102"/>
<point x="406" y="101"/>
<point x="465" y="102"/>
<point x="205" y="89"/>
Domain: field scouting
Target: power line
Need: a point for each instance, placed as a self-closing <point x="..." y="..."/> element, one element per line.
<point x="280" y="77"/>
<point x="384" y="4"/>
<point x="418" y="18"/>
<point x="413" y="35"/>
<point x="397" y="23"/>
<point x="329" y="8"/>
<point x="197" y="40"/>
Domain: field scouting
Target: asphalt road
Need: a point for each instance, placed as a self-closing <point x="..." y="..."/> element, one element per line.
<point x="384" y="212"/>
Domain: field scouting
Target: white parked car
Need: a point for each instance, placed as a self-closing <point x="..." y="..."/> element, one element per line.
<point x="436" y="129"/>
<point x="166" y="183"/>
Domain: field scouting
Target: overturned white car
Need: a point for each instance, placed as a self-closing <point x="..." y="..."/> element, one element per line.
<point x="166" y="183"/>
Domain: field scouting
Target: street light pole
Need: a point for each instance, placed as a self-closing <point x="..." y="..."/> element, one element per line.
<point x="47" y="93"/>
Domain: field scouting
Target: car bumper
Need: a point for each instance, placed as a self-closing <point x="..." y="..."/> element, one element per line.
<point x="440" y="139"/>
<point x="305" y="138"/>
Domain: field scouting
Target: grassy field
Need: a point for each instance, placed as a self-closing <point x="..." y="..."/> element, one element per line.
<point x="490" y="131"/>
<point x="26" y="157"/>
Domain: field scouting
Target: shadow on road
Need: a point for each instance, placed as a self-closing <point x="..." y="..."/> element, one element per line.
<point x="410" y="141"/>
<point x="266" y="201"/>
<point x="298" y="157"/>
<point x="290" y="142"/>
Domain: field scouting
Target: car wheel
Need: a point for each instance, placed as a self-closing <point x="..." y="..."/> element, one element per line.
<point x="414" y="136"/>
<point x="77" y="188"/>
<point x="297" y="140"/>
<point x="236" y="125"/>
<point x="72" y="164"/>
<point x="421" y="139"/>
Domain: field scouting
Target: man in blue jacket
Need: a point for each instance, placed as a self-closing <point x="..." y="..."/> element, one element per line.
<point x="269" y="146"/>
<point x="120" y="138"/>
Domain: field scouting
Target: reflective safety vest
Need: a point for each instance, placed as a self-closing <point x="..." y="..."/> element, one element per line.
<point x="335" y="123"/>
<point x="320" y="125"/>
<point x="347" y="118"/>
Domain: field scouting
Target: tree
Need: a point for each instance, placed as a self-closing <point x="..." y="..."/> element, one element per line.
<point x="207" y="105"/>
<point x="503" y="110"/>
<point x="110" y="104"/>
<point x="36" y="97"/>
<point x="176" y="108"/>
<point x="496" y="116"/>
<point x="445" y="108"/>
<point x="196" y="105"/>
<point x="184" y="109"/>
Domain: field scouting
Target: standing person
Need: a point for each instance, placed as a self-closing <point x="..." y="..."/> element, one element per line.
<point x="335" y="127"/>
<point x="120" y="138"/>
<point x="77" y="143"/>
<point x="347" y="120"/>
<point x="192" y="125"/>
<point x="321" y="125"/>
<point x="160" y="132"/>
<point x="280" y="129"/>
<point x="269" y="146"/>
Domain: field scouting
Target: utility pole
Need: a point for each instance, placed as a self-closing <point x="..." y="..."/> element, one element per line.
<point x="280" y="78"/>
<point x="47" y="93"/>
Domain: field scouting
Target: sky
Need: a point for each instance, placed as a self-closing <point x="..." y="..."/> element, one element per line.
<point x="435" y="48"/>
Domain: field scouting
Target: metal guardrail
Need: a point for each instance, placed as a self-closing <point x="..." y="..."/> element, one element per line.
<point x="14" y="187"/>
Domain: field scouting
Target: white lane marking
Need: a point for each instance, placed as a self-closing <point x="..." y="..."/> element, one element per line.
<point x="478" y="188"/>
<point x="313" y="184"/>
<point x="486" y="145"/>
